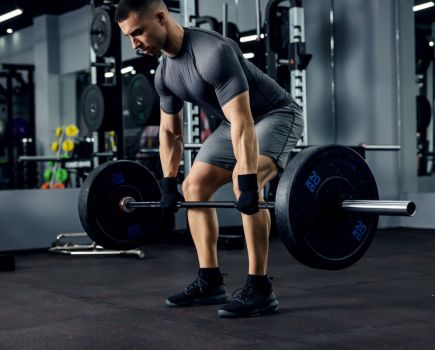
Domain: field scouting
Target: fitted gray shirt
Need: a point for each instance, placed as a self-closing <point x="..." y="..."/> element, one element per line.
<point x="209" y="71"/>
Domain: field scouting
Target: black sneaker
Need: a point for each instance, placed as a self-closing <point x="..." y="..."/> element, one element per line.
<point x="248" y="302"/>
<point x="199" y="293"/>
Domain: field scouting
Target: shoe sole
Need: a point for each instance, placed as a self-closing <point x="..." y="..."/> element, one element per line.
<point x="219" y="299"/>
<point x="269" y="309"/>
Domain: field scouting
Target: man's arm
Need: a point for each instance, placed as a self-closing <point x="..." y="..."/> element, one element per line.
<point x="243" y="136"/>
<point x="171" y="142"/>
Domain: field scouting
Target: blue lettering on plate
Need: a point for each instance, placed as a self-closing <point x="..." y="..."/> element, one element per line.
<point x="313" y="182"/>
<point x="359" y="231"/>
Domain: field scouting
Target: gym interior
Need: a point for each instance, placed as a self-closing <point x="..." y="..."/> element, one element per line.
<point x="75" y="98"/>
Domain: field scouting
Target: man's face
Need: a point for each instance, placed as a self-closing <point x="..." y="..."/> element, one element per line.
<point x="146" y="32"/>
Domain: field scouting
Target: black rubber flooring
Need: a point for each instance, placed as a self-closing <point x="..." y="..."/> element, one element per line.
<point x="385" y="301"/>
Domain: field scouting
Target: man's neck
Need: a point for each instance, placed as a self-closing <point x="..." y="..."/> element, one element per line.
<point x="174" y="40"/>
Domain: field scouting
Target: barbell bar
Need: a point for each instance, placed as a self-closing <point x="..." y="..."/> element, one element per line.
<point x="377" y="207"/>
<point x="326" y="206"/>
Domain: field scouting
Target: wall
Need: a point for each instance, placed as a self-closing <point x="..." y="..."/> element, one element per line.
<point x="322" y="123"/>
<point x="32" y="219"/>
<point x="17" y="48"/>
<point x="375" y="88"/>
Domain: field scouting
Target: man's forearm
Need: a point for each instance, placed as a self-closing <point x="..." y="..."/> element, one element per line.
<point x="171" y="150"/>
<point x="245" y="146"/>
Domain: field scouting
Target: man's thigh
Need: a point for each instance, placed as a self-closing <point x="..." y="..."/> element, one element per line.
<point x="277" y="134"/>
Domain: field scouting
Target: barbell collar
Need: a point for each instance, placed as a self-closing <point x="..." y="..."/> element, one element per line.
<point x="393" y="208"/>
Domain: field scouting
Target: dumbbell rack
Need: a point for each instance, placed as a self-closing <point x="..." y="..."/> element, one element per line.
<point x="92" y="248"/>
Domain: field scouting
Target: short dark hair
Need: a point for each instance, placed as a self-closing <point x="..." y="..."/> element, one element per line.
<point x="125" y="7"/>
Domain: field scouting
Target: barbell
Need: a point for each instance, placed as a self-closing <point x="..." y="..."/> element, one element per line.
<point x="326" y="206"/>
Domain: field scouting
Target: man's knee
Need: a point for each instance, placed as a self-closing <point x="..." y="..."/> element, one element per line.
<point x="203" y="180"/>
<point x="193" y="190"/>
<point x="198" y="188"/>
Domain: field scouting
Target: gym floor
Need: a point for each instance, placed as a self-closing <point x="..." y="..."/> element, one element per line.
<point x="385" y="301"/>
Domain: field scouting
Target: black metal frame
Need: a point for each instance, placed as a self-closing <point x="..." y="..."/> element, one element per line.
<point x="13" y="73"/>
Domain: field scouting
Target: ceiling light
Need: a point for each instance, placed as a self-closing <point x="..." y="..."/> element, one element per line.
<point x="423" y="6"/>
<point x="10" y="15"/>
<point x="9" y="31"/>
<point x="126" y="69"/>
<point x="245" y="39"/>
<point x="249" y="55"/>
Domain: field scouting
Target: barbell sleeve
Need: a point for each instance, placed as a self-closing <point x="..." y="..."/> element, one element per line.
<point x="381" y="147"/>
<point x="394" y="208"/>
<point x="378" y="207"/>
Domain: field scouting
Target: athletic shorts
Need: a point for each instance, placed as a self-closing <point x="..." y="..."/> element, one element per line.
<point x="278" y="131"/>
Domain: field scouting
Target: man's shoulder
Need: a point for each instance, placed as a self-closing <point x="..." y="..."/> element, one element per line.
<point x="201" y="33"/>
<point x="203" y="39"/>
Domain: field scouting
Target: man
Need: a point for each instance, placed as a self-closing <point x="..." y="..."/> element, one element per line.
<point x="260" y="125"/>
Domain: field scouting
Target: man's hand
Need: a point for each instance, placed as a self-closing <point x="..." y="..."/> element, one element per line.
<point x="248" y="200"/>
<point x="170" y="195"/>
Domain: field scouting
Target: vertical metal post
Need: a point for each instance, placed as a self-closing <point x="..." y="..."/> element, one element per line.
<point x="398" y="90"/>
<point x="258" y="19"/>
<point x="332" y="46"/>
<point x="119" y="126"/>
<point x="225" y="19"/>
<point x="188" y="12"/>
<point x="298" y="76"/>
<point x="9" y="130"/>
<point x="30" y="166"/>
<point x="271" y="54"/>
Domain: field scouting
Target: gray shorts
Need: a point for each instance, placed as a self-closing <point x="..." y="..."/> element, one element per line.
<point x="277" y="133"/>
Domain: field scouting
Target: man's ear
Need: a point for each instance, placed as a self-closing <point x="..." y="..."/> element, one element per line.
<point x="161" y="17"/>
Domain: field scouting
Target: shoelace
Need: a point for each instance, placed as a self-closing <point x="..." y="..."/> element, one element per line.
<point x="197" y="284"/>
<point x="244" y="294"/>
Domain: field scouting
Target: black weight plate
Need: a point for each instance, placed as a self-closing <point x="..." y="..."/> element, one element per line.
<point x="140" y="99"/>
<point x="92" y="107"/>
<point x="98" y="106"/>
<point x="101" y="32"/>
<point x="311" y="225"/>
<point x="99" y="210"/>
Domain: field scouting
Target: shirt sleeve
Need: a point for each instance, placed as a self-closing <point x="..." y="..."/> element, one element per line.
<point x="169" y="103"/>
<point x="221" y="68"/>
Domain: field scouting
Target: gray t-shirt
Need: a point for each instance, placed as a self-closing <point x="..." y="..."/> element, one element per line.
<point x="209" y="71"/>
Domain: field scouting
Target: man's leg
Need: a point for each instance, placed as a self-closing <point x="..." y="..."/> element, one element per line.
<point x="257" y="227"/>
<point x="201" y="183"/>
<point x="257" y="296"/>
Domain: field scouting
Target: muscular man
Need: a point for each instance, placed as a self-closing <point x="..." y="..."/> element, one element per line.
<point x="260" y="125"/>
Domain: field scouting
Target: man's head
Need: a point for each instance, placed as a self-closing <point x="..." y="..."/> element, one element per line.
<point x="145" y="22"/>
